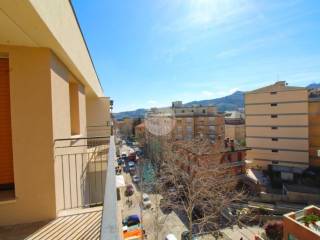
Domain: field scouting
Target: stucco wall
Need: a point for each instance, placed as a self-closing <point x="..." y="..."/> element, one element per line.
<point x="98" y="116"/>
<point x="60" y="78"/>
<point x="31" y="137"/>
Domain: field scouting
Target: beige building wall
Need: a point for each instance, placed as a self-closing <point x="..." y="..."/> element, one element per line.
<point x="31" y="137"/>
<point x="314" y="131"/>
<point x="98" y="116"/>
<point x="277" y="125"/>
<point x="61" y="122"/>
<point x="236" y="132"/>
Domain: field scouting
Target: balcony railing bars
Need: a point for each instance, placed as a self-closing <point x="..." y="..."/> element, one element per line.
<point x="80" y="170"/>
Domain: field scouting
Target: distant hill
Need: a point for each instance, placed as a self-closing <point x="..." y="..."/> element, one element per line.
<point x="313" y="85"/>
<point x="227" y="103"/>
<point x="138" y="113"/>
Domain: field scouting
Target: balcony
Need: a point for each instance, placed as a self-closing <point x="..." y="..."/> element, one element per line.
<point x="85" y="180"/>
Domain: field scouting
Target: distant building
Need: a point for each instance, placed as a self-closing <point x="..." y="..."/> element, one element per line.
<point x="189" y="122"/>
<point x="277" y="128"/>
<point x="234" y="126"/>
<point x="198" y="121"/>
<point x="297" y="225"/>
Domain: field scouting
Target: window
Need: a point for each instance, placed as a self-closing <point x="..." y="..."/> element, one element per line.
<point x="74" y="108"/>
<point x="274" y="150"/>
<point x="274" y="128"/>
<point x="274" y="139"/>
<point x="275" y="162"/>
<point x="274" y="104"/>
<point x="203" y="111"/>
<point x="273" y="93"/>
<point x="6" y="157"/>
<point x="182" y="111"/>
<point x="274" y="116"/>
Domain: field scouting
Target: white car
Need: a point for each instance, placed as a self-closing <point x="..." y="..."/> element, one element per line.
<point x="136" y="179"/>
<point x="171" y="237"/>
<point x="131" y="164"/>
<point x="146" y="202"/>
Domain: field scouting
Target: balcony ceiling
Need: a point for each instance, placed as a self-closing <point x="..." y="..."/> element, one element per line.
<point x="50" y="24"/>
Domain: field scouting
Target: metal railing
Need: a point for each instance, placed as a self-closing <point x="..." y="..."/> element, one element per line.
<point x="80" y="170"/>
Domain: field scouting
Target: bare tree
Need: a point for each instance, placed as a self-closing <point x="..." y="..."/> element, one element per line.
<point x="195" y="183"/>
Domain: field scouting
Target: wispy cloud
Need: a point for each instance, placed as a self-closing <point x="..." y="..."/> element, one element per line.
<point x="205" y="13"/>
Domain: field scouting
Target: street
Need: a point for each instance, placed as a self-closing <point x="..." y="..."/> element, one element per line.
<point x="156" y="224"/>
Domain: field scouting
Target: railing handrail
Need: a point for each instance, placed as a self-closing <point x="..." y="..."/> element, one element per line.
<point x="80" y="138"/>
<point x="109" y="223"/>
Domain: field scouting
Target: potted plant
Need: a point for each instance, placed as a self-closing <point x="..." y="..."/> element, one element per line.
<point x="310" y="218"/>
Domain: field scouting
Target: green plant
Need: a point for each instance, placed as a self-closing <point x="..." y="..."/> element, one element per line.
<point x="310" y="218"/>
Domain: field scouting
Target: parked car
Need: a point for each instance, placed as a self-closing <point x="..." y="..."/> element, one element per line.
<point x="136" y="179"/>
<point x="185" y="236"/>
<point x="131" y="220"/>
<point x="171" y="237"/>
<point x="132" y="156"/>
<point x="120" y="161"/>
<point x="129" y="190"/>
<point x="146" y="202"/>
<point x="131" y="164"/>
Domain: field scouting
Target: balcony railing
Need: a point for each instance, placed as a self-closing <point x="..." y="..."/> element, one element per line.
<point x="80" y="170"/>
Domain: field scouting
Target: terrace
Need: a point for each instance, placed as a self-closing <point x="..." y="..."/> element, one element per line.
<point x="303" y="224"/>
<point x="85" y="180"/>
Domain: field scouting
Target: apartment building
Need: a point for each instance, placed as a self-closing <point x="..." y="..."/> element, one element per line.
<point x="194" y="121"/>
<point x="314" y="127"/>
<point x="277" y="127"/>
<point x="234" y="126"/>
<point x="50" y="93"/>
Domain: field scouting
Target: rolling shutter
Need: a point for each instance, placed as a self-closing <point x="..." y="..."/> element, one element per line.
<point x="6" y="160"/>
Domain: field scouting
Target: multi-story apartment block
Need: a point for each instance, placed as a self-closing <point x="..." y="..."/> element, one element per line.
<point x="194" y="121"/>
<point x="234" y="126"/>
<point x="50" y="101"/>
<point x="277" y="127"/>
<point x="314" y="128"/>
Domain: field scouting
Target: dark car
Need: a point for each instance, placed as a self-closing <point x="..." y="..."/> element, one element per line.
<point x="185" y="236"/>
<point x="132" y="156"/>
<point x="131" y="220"/>
<point x="129" y="190"/>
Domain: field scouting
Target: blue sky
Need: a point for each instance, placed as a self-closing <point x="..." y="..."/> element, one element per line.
<point x="151" y="52"/>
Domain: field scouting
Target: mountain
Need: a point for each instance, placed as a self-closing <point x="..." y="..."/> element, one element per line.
<point x="138" y="113"/>
<point x="313" y="85"/>
<point x="227" y="103"/>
